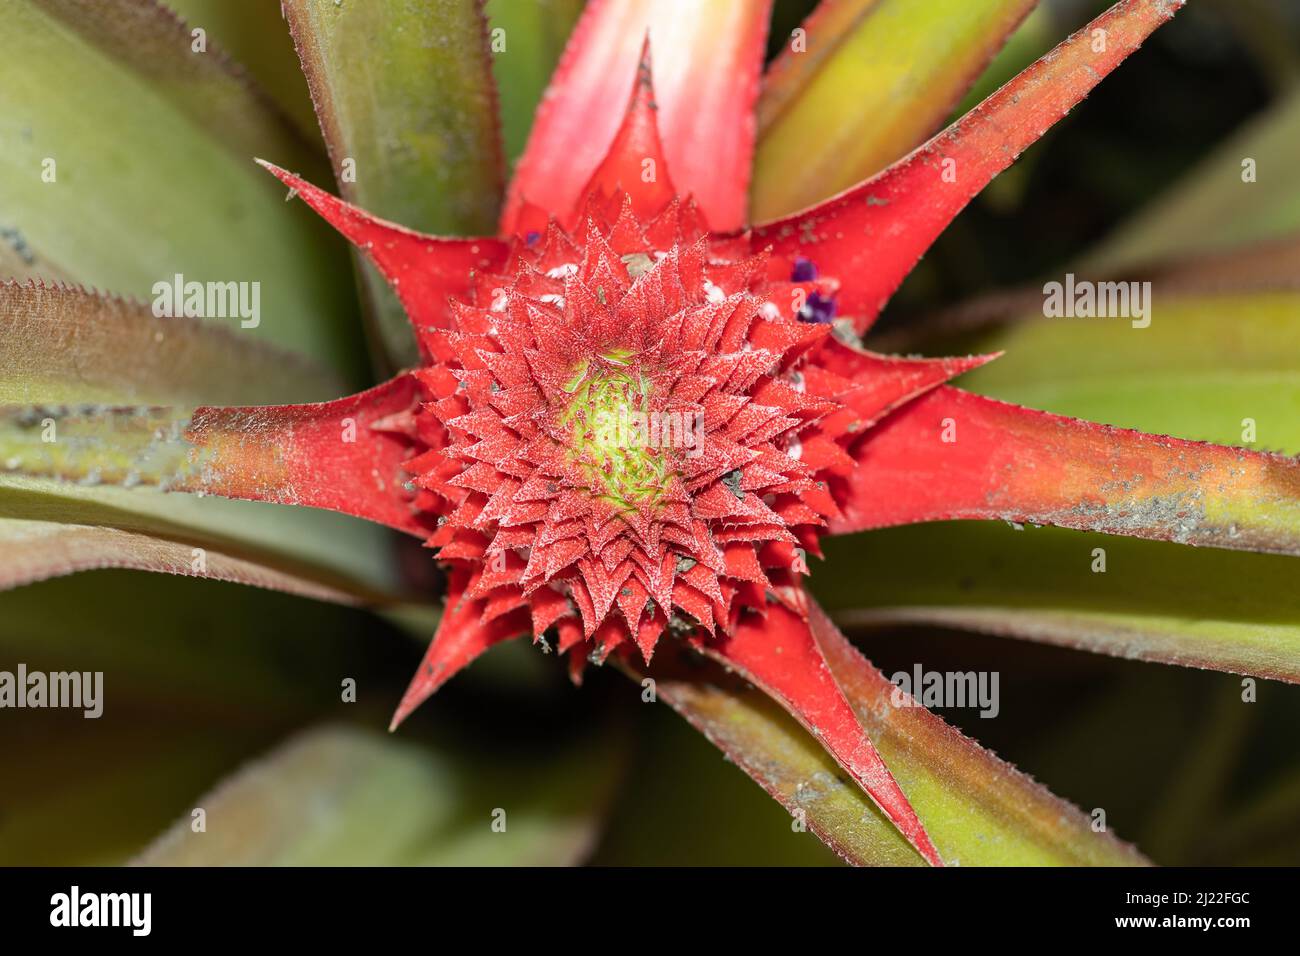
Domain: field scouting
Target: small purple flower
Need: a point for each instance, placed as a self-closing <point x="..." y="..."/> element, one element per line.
<point x="804" y="270"/>
<point x="818" y="309"/>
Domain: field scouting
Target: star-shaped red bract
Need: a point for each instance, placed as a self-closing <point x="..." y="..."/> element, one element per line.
<point x="628" y="427"/>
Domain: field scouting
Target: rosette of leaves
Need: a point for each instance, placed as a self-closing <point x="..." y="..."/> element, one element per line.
<point x="557" y="212"/>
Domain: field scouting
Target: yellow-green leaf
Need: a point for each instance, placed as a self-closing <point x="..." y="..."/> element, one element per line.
<point x="976" y="808"/>
<point x="68" y="345"/>
<point x="1215" y="367"/>
<point x="526" y="41"/>
<point x="256" y="36"/>
<point x="126" y="158"/>
<point x="375" y="800"/>
<point x="1151" y="600"/>
<point x="864" y="83"/>
<point x="405" y="99"/>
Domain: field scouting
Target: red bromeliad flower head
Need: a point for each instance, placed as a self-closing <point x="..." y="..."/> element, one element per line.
<point x="639" y="436"/>
<point x="633" y="424"/>
<point x="627" y="427"/>
<point x="627" y="424"/>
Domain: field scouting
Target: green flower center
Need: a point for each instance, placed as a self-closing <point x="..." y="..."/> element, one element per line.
<point x="607" y="420"/>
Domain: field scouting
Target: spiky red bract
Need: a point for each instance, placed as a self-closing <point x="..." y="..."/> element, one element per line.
<point x="628" y="426"/>
<point x="637" y="427"/>
<point x="618" y="411"/>
<point x="612" y="310"/>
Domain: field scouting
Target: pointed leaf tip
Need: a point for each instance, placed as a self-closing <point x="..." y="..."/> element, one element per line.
<point x="781" y="654"/>
<point x="461" y="637"/>
<point x="635" y="163"/>
<point x="425" y="271"/>
<point x="710" y="55"/>
<point x="952" y="455"/>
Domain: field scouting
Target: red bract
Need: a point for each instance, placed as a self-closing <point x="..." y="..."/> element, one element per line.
<point x="628" y="428"/>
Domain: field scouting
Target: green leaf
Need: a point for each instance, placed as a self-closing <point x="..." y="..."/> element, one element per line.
<point x="1208" y="367"/>
<point x="524" y="55"/>
<point x="876" y="79"/>
<point x="256" y="36"/>
<point x="68" y="345"/>
<point x="36" y="550"/>
<point x="65" y="347"/>
<point x="338" y="552"/>
<point x="977" y="809"/>
<point x="374" y="800"/>
<point x="126" y="158"/>
<point x="405" y="99"/>
<point x="1156" y="601"/>
<point x="1213" y="207"/>
<point x="197" y="677"/>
